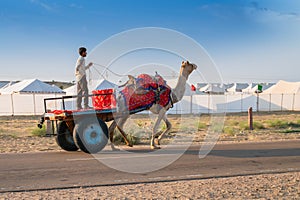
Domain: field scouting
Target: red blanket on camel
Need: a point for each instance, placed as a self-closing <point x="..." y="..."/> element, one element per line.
<point x="156" y="92"/>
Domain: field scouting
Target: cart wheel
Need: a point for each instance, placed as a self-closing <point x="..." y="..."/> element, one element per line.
<point x="64" y="138"/>
<point x="90" y="135"/>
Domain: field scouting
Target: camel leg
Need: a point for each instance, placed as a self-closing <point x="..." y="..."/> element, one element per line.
<point x="111" y="130"/>
<point x="161" y="115"/>
<point x="120" y="125"/>
<point x="169" y="126"/>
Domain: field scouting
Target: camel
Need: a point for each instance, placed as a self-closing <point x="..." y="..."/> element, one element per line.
<point x="176" y="95"/>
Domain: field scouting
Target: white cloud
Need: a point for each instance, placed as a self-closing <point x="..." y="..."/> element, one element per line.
<point x="73" y="5"/>
<point x="263" y="14"/>
<point x="251" y="9"/>
<point x="42" y="4"/>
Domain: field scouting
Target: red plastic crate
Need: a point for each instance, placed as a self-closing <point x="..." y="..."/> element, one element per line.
<point x="104" y="99"/>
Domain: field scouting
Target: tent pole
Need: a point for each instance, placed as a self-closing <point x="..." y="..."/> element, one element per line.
<point x="34" y="106"/>
<point x="242" y="102"/>
<point x="12" y="104"/>
<point x="293" y="107"/>
<point x="270" y="102"/>
<point x="281" y="102"/>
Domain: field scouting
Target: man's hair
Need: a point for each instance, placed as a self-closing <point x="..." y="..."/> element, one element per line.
<point x="81" y="50"/>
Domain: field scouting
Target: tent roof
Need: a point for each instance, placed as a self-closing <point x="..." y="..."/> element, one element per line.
<point x="238" y="87"/>
<point x="251" y="88"/>
<point x="284" y="87"/>
<point x="31" y="86"/>
<point x="105" y="84"/>
<point x="213" y="88"/>
<point x="3" y="83"/>
<point x="93" y="85"/>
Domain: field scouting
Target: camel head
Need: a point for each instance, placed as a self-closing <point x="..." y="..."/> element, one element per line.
<point x="187" y="68"/>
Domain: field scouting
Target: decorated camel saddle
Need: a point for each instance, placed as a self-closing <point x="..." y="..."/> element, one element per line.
<point x="144" y="91"/>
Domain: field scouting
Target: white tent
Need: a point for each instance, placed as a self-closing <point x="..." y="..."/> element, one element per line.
<point x="251" y="88"/>
<point x="213" y="88"/>
<point x="93" y="85"/>
<point x="31" y="86"/>
<point x="237" y="87"/>
<point x="284" y="87"/>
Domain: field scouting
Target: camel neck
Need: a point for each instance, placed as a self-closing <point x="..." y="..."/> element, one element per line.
<point x="179" y="90"/>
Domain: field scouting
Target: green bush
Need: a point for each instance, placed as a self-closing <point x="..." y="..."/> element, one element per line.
<point x="278" y="124"/>
<point x="39" y="132"/>
<point x="243" y="126"/>
<point x="229" y="130"/>
<point x="294" y="125"/>
<point x="232" y="123"/>
<point x="258" y="125"/>
<point x="201" y="126"/>
<point x="118" y="138"/>
<point x="283" y="124"/>
<point x="290" y="131"/>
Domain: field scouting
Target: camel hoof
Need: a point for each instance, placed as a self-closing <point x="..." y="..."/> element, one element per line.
<point x="155" y="147"/>
<point x="156" y="141"/>
<point x="130" y="145"/>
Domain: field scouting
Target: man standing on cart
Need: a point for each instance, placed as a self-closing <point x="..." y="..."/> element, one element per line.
<point x="82" y="89"/>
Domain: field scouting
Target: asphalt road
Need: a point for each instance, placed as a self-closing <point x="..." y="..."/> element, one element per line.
<point x="58" y="170"/>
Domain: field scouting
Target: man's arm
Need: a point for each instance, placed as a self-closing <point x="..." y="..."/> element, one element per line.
<point x="89" y="65"/>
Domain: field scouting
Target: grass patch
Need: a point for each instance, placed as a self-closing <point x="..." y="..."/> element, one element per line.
<point x="258" y="125"/>
<point x="278" y="124"/>
<point x="229" y="130"/>
<point x="243" y="126"/>
<point x="13" y="135"/>
<point x="201" y="126"/>
<point x="39" y="132"/>
<point x="216" y="127"/>
<point x="232" y="123"/>
<point x="118" y="139"/>
<point x="290" y="131"/>
<point x="282" y="124"/>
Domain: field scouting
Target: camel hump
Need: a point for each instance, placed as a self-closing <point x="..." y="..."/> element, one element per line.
<point x="147" y="81"/>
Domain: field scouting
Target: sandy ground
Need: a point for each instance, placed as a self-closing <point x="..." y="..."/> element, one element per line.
<point x="9" y="144"/>
<point x="279" y="186"/>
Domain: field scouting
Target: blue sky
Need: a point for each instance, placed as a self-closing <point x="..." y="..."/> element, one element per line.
<point x="250" y="41"/>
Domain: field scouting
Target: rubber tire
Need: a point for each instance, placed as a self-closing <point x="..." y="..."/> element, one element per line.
<point x="83" y="135"/>
<point x="64" y="138"/>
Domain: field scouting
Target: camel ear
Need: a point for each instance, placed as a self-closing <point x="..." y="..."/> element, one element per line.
<point x="130" y="77"/>
<point x="187" y="62"/>
<point x="182" y="62"/>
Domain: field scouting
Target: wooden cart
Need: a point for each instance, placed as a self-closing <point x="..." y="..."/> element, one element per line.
<point x="83" y="129"/>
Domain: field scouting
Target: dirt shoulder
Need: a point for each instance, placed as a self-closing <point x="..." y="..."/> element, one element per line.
<point x="20" y="134"/>
<point x="267" y="186"/>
